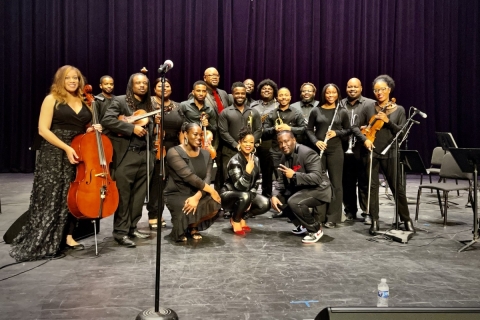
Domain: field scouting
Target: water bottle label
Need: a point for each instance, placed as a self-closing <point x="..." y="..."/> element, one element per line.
<point x="382" y="294"/>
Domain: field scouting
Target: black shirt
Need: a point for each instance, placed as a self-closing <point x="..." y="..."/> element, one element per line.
<point x="319" y="121"/>
<point x="231" y="120"/>
<point x="193" y="114"/>
<point x="290" y="116"/>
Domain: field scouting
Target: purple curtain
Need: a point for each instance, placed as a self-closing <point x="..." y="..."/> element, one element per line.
<point x="430" y="48"/>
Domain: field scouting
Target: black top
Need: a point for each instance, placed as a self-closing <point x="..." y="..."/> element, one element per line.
<point x="305" y="108"/>
<point x="137" y="141"/>
<point x="264" y="108"/>
<point x="102" y="106"/>
<point x="172" y="122"/>
<point x="192" y="114"/>
<point x="64" y="117"/>
<point x="290" y="116"/>
<point x="319" y="121"/>
<point x="231" y="120"/>
<point x="238" y="179"/>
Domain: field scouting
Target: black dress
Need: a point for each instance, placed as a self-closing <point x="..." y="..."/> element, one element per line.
<point x="48" y="212"/>
<point x="188" y="175"/>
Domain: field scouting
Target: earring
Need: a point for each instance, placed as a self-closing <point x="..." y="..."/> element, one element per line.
<point x="185" y="141"/>
<point x="254" y="150"/>
<point x="238" y="148"/>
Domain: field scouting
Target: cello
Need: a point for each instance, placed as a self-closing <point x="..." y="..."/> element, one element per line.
<point x="93" y="194"/>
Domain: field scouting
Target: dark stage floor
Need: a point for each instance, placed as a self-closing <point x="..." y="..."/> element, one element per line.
<point x="269" y="274"/>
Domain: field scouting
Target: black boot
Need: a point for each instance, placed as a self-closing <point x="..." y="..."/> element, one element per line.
<point x="374" y="227"/>
<point x="409" y="226"/>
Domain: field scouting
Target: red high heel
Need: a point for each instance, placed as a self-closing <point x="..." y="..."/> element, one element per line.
<point x="245" y="228"/>
<point x="237" y="225"/>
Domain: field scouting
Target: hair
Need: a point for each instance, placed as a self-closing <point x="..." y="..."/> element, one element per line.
<point x="268" y="82"/>
<point x="243" y="132"/>
<point x="289" y="132"/>
<point x="129" y="96"/>
<point x="160" y="80"/>
<point x="105" y="77"/>
<point x="325" y="89"/>
<point x="199" y="82"/>
<point x="385" y="78"/>
<point x="308" y="84"/>
<point x="58" y="91"/>
<point x="186" y="126"/>
<point x="238" y="84"/>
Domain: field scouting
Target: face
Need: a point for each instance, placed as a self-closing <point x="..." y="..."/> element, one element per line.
<point x="247" y="144"/>
<point x="211" y="77"/>
<point x="266" y="92"/>
<point x="284" y="97"/>
<point x="354" y="89"/>
<point x="167" y="91"/>
<point x="140" y="85"/>
<point x="107" y="85"/>
<point x="194" y="136"/>
<point x="381" y="91"/>
<point x="250" y="85"/>
<point x="200" y="92"/>
<point x="331" y="95"/>
<point x="239" y="96"/>
<point x="71" y="81"/>
<point x="286" y="143"/>
<point x="307" y="93"/>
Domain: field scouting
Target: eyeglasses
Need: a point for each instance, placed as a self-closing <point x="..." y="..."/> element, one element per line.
<point x="213" y="75"/>
<point x="307" y="91"/>
<point x="380" y="90"/>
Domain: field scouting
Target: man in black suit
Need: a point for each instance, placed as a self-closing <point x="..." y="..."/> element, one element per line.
<point x="304" y="187"/>
<point x="133" y="148"/>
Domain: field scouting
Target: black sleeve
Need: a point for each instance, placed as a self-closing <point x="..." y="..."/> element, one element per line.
<point x="240" y="178"/>
<point x="345" y="123"/>
<point x="311" y="126"/>
<point x="181" y="168"/>
<point x="223" y="129"/>
<point x="110" y="120"/>
<point x="300" y="124"/>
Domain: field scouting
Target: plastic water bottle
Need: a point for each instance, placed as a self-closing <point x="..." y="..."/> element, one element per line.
<point x="383" y="293"/>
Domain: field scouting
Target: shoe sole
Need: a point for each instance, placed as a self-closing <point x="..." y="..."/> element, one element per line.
<point x="312" y="241"/>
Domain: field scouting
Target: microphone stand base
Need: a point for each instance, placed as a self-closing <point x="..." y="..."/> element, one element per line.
<point x="163" y="313"/>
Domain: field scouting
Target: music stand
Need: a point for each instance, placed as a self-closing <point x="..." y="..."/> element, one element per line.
<point x="468" y="161"/>
<point x="410" y="162"/>
<point x="446" y="141"/>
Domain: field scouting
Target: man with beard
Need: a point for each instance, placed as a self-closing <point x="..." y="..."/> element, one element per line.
<point x="250" y="86"/>
<point x="305" y="106"/>
<point x="353" y="168"/>
<point x="303" y="186"/>
<point x="284" y="118"/>
<point x="106" y="85"/>
<point x="234" y="118"/>
<point x="131" y="145"/>
<point x="196" y="110"/>
<point x="267" y="103"/>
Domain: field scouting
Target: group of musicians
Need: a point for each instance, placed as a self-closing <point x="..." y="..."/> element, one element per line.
<point x="307" y="157"/>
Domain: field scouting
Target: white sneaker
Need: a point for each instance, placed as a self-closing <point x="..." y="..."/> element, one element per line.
<point x="299" y="230"/>
<point x="368" y="220"/>
<point x="313" y="237"/>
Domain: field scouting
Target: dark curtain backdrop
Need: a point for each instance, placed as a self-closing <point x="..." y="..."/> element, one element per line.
<point x="430" y="48"/>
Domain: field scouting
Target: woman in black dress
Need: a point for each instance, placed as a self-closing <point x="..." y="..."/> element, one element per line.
<point x="172" y="122"/>
<point x="192" y="202"/>
<point x="239" y="193"/>
<point x="63" y="116"/>
<point x="332" y="160"/>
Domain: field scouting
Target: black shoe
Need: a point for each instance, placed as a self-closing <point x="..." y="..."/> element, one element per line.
<point x="278" y="215"/>
<point x="350" y="217"/>
<point x="77" y="247"/>
<point x="125" y="241"/>
<point x="374" y="227"/>
<point x="330" y="225"/>
<point x="227" y="215"/>
<point x="139" y="235"/>
<point x="409" y="226"/>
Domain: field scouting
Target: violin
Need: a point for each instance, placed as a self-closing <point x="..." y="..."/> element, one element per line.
<point x="139" y="117"/>
<point x="374" y="124"/>
<point x="207" y="139"/>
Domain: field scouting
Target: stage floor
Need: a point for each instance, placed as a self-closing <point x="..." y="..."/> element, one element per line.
<point x="269" y="274"/>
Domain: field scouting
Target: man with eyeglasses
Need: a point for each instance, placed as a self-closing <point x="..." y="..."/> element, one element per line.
<point x="353" y="168"/>
<point x="305" y="105"/>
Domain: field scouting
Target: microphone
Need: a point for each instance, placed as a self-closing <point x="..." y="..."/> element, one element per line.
<point x="167" y="65"/>
<point x="422" y="114"/>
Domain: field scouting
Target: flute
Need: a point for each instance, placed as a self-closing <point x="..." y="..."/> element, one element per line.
<point x="329" y="128"/>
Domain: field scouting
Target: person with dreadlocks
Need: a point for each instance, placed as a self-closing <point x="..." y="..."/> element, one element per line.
<point x="131" y="144"/>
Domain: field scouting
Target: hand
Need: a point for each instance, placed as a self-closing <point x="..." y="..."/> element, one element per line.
<point x="139" y="131"/>
<point x="275" y="203"/>
<point x="331" y="134"/>
<point x="250" y="163"/>
<point x="157" y="118"/>
<point x="204" y="122"/>
<point x="72" y="155"/>
<point x="97" y="127"/>
<point x="286" y="171"/>
<point x="215" y="196"/>
<point x="369" y="145"/>
<point x="321" y="145"/>
<point x="190" y="205"/>
<point x="283" y="127"/>
<point x="382" y="116"/>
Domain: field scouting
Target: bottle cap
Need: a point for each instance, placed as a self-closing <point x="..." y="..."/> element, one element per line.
<point x="384" y="280"/>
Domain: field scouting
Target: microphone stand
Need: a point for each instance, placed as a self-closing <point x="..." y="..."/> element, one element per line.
<point x="406" y="128"/>
<point x="157" y="312"/>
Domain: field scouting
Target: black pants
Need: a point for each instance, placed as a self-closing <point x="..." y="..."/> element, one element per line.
<point x="301" y="211"/>
<point x="388" y="168"/>
<point x="154" y="192"/>
<point x="266" y="166"/>
<point x="239" y="201"/>
<point x="353" y="173"/>
<point x="227" y="154"/>
<point x="332" y="161"/>
<point x="131" y="178"/>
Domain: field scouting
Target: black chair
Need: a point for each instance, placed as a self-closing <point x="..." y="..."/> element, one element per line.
<point x="448" y="170"/>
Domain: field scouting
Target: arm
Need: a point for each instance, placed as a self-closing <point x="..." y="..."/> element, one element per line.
<point x="240" y="178"/>
<point x="181" y="168"/>
<point x="311" y="126"/>
<point x="269" y="126"/>
<point x="223" y="129"/>
<point x="110" y="120"/>
<point x="345" y="123"/>
<point x="257" y="125"/>
<point x="313" y="170"/>
<point x="212" y="121"/>
<point x="300" y="124"/>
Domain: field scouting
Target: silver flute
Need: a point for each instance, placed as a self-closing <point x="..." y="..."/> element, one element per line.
<point x="352" y="140"/>
<point x="330" y="128"/>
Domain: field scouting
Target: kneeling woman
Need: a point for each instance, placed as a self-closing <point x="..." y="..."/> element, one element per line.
<point x="192" y="202"/>
<point x="239" y="193"/>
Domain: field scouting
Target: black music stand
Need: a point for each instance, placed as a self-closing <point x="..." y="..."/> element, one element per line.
<point x="446" y="141"/>
<point x="468" y="160"/>
<point x="410" y="162"/>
